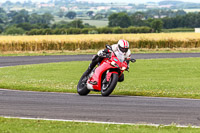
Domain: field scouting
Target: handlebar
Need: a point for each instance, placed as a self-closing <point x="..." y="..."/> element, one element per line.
<point x="106" y="55"/>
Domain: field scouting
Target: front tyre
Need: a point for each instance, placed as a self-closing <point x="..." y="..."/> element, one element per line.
<point x="82" y="86"/>
<point x="107" y="88"/>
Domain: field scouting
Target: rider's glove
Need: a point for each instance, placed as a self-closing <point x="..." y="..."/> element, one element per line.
<point x="100" y="53"/>
<point x="103" y="52"/>
<point x="106" y="50"/>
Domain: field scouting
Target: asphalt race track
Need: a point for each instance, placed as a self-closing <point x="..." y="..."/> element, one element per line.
<point x="122" y="109"/>
<point x="23" y="60"/>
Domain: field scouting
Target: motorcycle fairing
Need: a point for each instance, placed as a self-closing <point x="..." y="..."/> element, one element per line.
<point x="103" y="67"/>
<point x="98" y="74"/>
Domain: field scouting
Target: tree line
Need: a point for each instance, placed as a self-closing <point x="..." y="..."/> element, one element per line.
<point x="181" y="20"/>
<point x="19" y="22"/>
<point x="22" y="22"/>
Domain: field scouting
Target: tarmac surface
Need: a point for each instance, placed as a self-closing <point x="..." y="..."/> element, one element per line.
<point x="122" y="109"/>
<point x="23" y="60"/>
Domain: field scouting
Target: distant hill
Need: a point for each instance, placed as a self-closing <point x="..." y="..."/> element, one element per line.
<point x="170" y="2"/>
<point x="176" y="4"/>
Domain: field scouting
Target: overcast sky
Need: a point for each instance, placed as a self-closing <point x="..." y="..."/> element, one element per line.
<point x="139" y="1"/>
<point x="121" y="1"/>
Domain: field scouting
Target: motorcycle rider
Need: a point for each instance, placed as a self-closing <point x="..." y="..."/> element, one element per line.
<point x="122" y="47"/>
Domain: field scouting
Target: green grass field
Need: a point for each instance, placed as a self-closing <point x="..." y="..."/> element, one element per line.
<point x="97" y="23"/>
<point x="8" y="125"/>
<point x="155" y="77"/>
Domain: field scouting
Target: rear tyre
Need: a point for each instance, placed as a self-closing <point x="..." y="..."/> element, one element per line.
<point x="82" y="86"/>
<point x="107" y="88"/>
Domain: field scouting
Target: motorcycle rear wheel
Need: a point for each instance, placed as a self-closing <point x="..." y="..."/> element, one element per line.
<point x="82" y="86"/>
<point x="111" y="85"/>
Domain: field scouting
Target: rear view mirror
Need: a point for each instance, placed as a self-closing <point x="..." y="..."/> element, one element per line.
<point x="133" y="60"/>
<point x="108" y="47"/>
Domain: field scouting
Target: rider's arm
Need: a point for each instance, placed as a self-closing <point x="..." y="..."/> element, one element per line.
<point x="128" y="55"/>
<point x="114" y="47"/>
<point x="127" y="58"/>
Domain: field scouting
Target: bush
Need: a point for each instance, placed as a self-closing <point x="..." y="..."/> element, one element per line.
<point x="132" y="29"/>
<point x="125" y="30"/>
<point x="117" y="30"/>
<point x="93" y="32"/>
<point x="73" y="31"/>
<point x="47" y="32"/>
<point x="59" y="31"/>
<point x="179" y="30"/>
<point x="85" y="31"/>
<point x="14" y="31"/>
<point x="145" y="30"/>
<point x="105" y="30"/>
<point x="32" y="32"/>
<point x="40" y="32"/>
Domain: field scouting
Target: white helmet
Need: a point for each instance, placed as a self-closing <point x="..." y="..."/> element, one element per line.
<point x="123" y="45"/>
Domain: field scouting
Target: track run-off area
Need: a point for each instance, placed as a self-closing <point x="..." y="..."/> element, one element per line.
<point x="117" y="109"/>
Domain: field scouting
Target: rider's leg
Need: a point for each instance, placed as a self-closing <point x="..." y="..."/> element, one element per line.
<point x="95" y="60"/>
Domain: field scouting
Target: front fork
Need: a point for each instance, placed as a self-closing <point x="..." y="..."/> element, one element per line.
<point x="108" y="75"/>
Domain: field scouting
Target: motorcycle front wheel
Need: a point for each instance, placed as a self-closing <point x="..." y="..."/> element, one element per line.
<point x="82" y="86"/>
<point x="107" y="88"/>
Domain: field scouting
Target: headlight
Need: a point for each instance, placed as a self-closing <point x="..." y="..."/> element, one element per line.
<point x="123" y="68"/>
<point x="113" y="64"/>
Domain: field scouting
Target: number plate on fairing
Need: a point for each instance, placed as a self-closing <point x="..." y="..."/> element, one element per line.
<point x="115" y="59"/>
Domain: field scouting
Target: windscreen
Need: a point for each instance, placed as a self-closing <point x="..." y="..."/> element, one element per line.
<point x="120" y="56"/>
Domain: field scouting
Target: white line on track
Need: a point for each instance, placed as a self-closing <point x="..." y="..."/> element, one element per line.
<point x="98" y="122"/>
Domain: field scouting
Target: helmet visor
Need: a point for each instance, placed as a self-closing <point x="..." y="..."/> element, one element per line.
<point x="124" y="50"/>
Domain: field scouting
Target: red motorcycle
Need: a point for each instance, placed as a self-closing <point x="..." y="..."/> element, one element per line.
<point x="104" y="78"/>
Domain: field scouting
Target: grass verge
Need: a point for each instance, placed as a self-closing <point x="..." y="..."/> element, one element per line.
<point x="78" y="52"/>
<point x="156" y="77"/>
<point x="13" y="125"/>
